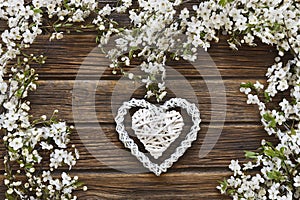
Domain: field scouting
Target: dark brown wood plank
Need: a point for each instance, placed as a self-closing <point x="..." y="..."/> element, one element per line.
<point x="102" y="150"/>
<point x="66" y="56"/>
<point x="2" y="187"/>
<point x="195" y="185"/>
<point x="200" y="182"/>
<point x="106" y="152"/>
<point x="53" y="95"/>
<point x="201" y="185"/>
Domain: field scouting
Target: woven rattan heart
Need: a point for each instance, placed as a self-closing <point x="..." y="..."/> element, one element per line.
<point x="157" y="129"/>
<point x="191" y="110"/>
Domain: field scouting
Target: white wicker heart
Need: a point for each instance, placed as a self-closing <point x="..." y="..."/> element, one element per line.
<point x="157" y="129"/>
<point x="173" y="120"/>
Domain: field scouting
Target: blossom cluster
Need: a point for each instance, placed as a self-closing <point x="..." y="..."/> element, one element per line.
<point x="276" y="166"/>
<point x="35" y="147"/>
<point x="162" y="30"/>
<point x="158" y="30"/>
<point x="28" y="142"/>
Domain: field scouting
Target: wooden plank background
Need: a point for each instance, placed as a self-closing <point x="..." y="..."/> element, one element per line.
<point x="191" y="177"/>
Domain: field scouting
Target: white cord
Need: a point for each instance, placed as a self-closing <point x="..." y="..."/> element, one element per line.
<point x="191" y="136"/>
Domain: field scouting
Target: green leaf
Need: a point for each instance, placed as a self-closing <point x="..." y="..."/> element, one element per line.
<point x="293" y="132"/>
<point x="66" y="5"/>
<point x="28" y="165"/>
<point x="173" y="56"/>
<point x="19" y="61"/>
<point x="223" y="185"/>
<point x="275" y="175"/>
<point x="267" y="97"/>
<point x="270" y="144"/>
<point x="270" y="152"/>
<point x="9" y="196"/>
<point x="11" y="150"/>
<point x="79" y="184"/>
<point x="57" y="25"/>
<point x="35" y="159"/>
<point x="224" y="2"/>
<point x="19" y="93"/>
<point x="68" y="25"/>
<point x="282" y="149"/>
<point x="247" y="85"/>
<point x="250" y="85"/>
<point x="132" y="50"/>
<point x="250" y="154"/>
<point x="269" y="118"/>
<point x="294" y="101"/>
<point x="272" y="124"/>
<point x="37" y="11"/>
<point x="231" y="191"/>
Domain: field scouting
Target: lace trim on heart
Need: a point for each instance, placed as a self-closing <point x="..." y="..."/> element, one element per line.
<point x="157" y="169"/>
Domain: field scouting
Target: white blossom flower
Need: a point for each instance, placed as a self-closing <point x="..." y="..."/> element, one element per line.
<point x="47" y="146"/>
<point x="245" y="90"/>
<point x="258" y="85"/>
<point x="235" y="167"/>
<point x="297" y="181"/>
<point x="252" y="99"/>
<point x="16" y="143"/>
<point x="274" y="191"/>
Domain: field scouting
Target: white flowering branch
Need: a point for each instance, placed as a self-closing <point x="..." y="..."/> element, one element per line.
<point x="153" y="36"/>
<point x="276" y="23"/>
<point x="35" y="148"/>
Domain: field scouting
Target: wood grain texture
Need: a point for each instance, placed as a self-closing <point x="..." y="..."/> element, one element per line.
<point x="200" y="185"/>
<point x="74" y="49"/>
<point x="59" y="94"/>
<point x="100" y="149"/>
<point x="105" y="165"/>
